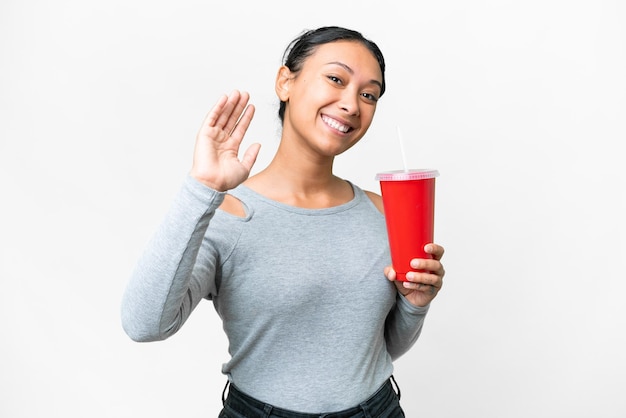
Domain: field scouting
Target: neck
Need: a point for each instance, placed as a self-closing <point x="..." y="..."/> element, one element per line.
<point x="300" y="179"/>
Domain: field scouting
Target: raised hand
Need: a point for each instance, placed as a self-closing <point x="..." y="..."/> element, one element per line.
<point x="216" y="154"/>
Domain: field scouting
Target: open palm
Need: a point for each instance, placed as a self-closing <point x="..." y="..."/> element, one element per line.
<point x="216" y="155"/>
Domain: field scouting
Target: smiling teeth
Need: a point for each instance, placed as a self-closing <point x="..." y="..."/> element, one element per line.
<point x="334" y="124"/>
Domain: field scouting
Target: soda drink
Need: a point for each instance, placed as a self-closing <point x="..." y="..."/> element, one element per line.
<point x="409" y="203"/>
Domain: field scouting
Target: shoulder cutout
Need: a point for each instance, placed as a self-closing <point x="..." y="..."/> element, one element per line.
<point x="376" y="199"/>
<point x="233" y="206"/>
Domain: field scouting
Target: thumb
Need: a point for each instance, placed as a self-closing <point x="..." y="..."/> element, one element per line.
<point x="390" y="273"/>
<point x="250" y="156"/>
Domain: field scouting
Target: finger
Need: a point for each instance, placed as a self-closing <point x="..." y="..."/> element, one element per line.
<point x="428" y="279"/>
<point x="224" y="114"/>
<point x="435" y="250"/>
<point x="420" y="287"/>
<point x="426" y="264"/>
<point x="243" y="123"/>
<point x="211" y="118"/>
<point x="237" y="107"/>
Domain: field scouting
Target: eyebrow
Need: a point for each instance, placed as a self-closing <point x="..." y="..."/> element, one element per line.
<point x="351" y="71"/>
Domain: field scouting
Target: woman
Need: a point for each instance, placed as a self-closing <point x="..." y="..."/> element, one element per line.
<point x="294" y="258"/>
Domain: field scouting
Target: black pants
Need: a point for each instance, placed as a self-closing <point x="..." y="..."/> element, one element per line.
<point x="385" y="403"/>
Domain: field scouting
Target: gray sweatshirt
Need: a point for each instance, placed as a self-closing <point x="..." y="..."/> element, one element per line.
<point x="312" y="323"/>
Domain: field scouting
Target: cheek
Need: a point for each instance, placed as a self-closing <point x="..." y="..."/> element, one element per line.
<point x="367" y="116"/>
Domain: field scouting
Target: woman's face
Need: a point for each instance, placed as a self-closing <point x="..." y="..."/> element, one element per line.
<point x="332" y="100"/>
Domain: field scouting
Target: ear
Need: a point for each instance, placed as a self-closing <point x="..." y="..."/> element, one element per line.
<point x="283" y="81"/>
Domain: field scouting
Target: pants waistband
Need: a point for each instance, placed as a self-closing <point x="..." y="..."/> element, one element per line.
<point x="246" y="404"/>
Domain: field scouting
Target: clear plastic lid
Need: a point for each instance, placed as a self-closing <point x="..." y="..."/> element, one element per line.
<point x="404" y="175"/>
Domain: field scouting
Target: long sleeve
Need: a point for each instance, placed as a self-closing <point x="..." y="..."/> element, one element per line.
<point x="403" y="326"/>
<point x="162" y="290"/>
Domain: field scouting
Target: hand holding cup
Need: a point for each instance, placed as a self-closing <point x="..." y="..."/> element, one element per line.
<point x="421" y="286"/>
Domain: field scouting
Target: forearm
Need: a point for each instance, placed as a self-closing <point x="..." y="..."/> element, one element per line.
<point x="404" y="326"/>
<point x="162" y="292"/>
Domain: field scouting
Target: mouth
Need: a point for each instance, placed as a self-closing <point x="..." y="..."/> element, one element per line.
<point x="335" y="124"/>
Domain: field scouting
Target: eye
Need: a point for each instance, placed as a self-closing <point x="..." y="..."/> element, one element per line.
<point x="335" y="79"/>
<point x="370" y="96"/>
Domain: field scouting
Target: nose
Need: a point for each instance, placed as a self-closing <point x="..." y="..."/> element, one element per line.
<point x="350" y="102"/>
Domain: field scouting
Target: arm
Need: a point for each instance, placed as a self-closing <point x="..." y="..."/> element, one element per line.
<point x="163" y="290"/>
<point x="403" y="326"/>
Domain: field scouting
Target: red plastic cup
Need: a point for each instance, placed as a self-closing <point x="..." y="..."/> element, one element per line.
<point x="409" y="202"/>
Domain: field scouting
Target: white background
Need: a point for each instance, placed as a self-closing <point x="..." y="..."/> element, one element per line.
<point x="520" y="105"/>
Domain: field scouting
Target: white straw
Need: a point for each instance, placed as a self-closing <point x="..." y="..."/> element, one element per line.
<point x="406" y="167"/>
